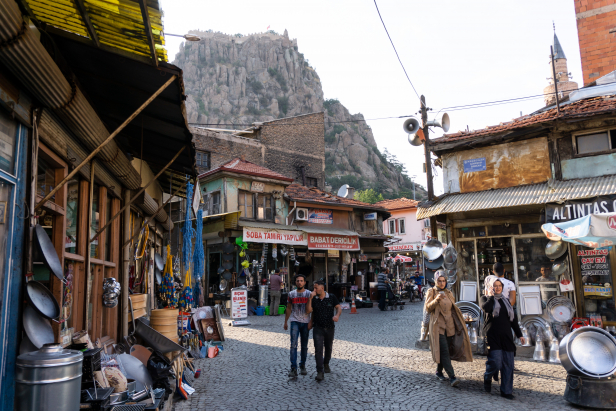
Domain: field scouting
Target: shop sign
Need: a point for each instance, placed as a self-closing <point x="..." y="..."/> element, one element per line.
<point x="257" y="187"/>
<point x="363" y="258"/>
<point x="369" y="216"/>
<point x="320" y="216"/>
<point x="332" y="241"/>
<point x="405" y="247"/>
<point x="239" y="303"/>
<point x="274" y="236"/>
<point x="571" y="210"/>
<point x="475" y="164"/>
<point x="597" y="291"/>
<point x="333" y="253"/>
<point x="594" y="262"/>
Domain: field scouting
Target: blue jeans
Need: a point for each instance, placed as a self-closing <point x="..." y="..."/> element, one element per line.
<point x="299" y="329"/>
<point x="503" y="361"/>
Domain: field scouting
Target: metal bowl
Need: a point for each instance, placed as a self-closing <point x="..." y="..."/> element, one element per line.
<point x="434" y="264"/>
<point x="433" y="249"/>
<point x="449" y="255"/>
<point x="555" y="249"/>
<point x="118" y="397"/>
<point x="589" y="351"/>
<point x="559" y="268"/>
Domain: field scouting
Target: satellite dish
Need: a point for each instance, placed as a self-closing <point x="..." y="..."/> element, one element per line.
<point x="343" y="191"/>
<point x="411" y="125"/>
<point x="441" y="122"/>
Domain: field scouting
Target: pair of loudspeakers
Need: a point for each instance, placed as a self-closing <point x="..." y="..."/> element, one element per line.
<point x="412" y="127"/>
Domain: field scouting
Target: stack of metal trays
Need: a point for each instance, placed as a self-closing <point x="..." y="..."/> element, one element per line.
<point x="474" y="311"/>
<point x="561" y="309"/>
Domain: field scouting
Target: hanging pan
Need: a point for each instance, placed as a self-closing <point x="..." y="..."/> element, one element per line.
<point x="160" y="263"/>
<point x="42" y="300"/>
<point x="37" y="327"/>
<point x="227" y="265"/>
<point x="241" y="279"/>
<point x="159" y="275"/>
<point x="555" y="249"/>
<point x="228" y="248"/>
<point x="48" y="252"/>
<point x="227" y="275"/>
<point x="227" y="257"/>
<point x="220" y="270"/>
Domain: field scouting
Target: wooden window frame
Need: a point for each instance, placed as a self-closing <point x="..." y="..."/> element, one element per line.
<point x="583" y="133"/>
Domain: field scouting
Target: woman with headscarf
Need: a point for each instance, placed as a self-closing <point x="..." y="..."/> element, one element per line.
<point x="500" y="319"/>
<point x="448" y="337"/>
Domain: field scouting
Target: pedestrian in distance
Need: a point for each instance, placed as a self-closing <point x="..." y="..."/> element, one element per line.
<point x="448" y="337"/>
<point x="500" y="319"/>
<point x="275" y="284"/>
<point x="326" y="311"/>
<point x="382" y="287"/>
<point x="297" y="313"/>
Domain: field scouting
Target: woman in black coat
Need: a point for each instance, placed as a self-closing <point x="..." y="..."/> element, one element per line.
<point x="500" y="319"/>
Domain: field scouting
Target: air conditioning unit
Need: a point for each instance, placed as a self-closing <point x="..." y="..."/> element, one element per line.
<point x="301" y="214"/>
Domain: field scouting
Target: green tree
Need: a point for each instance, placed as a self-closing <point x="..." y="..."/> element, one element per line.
<point x="368" y="196"/>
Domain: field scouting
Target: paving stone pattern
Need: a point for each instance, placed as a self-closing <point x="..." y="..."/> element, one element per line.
<point x="374" y="367"/>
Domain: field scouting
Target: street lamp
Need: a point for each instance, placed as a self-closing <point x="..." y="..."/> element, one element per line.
<point x="189" y="37"/>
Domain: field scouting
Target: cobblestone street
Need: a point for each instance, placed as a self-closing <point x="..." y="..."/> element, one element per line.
<point x="374" y="367"/>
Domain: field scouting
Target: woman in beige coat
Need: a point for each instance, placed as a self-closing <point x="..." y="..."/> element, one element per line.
<point x="448" y="337"/>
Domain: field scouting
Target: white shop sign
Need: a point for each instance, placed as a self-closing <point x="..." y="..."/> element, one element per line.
<point x="239" y="303"/>
<point x="274" y="236"/>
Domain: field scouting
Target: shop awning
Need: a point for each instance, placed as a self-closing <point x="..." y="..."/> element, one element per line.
<point x="534" y="194"/>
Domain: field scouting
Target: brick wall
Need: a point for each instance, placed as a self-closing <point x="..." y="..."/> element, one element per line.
<point x="596" y="24"/>
<point x="284" y="146"/>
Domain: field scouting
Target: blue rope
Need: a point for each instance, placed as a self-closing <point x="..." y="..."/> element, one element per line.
<point x="199" y="256"/>
<point x="187" y="231"/>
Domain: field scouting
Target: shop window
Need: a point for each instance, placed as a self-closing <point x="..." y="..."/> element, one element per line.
<point x="466" y="256"/>
<point x="72" y="216"/>
<point x="203" y="159"/>
<point x="533" y="265"/>
<point x="503" y="229"/>
<point x="265" y="207"/>
<point x="46" y="179"/>
<point x="5" y="212"/>
<point x="402" y="226"/>
<point x="593" y="143"/>
<point x="95" y="225"/>
<point x="245" y="202"/>
<point x="311" y="182"/>
<point x="392" y="227"/>
<point x="8" y="135"/>
<point x="531" y="228"/>
<point x="427" y="223"/>
<point x="464" y="232"/>
<point x="107" y="232"/>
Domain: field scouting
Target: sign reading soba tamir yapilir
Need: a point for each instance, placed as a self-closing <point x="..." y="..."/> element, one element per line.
<point x="594" y="262"/>
<point x="332" y="242"/>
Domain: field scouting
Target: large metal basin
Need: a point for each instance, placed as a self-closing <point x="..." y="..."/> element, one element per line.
<point x="588" y="351"/>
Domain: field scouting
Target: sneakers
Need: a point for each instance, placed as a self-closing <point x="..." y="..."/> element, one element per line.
<point x="454" y="381"/>
<point x="319" y="376"/>
<point x="487" y="385"/>
<point x="440" y="376"/>
<point x="293" y="373"/>
<point x="508" y="396"/>
<point x="327" y="369"/>
<point x="302" y="370"/>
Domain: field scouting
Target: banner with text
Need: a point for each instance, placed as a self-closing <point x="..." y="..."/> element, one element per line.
<point x="571" y="210"/>
<point x="274" y="236"/>
<point x="333" y="242"/>
<point x="406" y="247"/>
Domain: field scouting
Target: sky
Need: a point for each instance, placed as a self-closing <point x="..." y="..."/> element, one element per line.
<point x="455" y="53"/>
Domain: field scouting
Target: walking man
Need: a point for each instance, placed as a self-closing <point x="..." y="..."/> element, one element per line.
<point x="326" y="311"/>
<point x="275" y="283"/>
<point x="297" y="312"/>
<point x="382" y="287"/>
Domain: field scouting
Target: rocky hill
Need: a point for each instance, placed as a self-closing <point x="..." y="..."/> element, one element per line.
<point x="234" y="80"/>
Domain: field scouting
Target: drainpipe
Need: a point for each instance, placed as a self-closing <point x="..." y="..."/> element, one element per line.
<point x="291" y="212"/>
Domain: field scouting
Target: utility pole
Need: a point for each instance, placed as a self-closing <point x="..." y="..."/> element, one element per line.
<point x="554" y="78"/>
<point x="414" y="177"/>
<point x="424" y="121"/>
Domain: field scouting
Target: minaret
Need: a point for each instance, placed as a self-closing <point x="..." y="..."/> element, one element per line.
<point x="562" y="75"/>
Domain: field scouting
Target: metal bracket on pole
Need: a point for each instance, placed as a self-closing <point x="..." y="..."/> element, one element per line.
<point x="137" y="195"/>
<point x="104" y="143"/>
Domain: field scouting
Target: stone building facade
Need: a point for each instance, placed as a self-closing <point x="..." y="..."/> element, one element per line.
<point x="293" y="147"/>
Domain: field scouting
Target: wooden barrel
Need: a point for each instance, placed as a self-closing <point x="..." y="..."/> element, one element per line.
<point x="165" y="321"/>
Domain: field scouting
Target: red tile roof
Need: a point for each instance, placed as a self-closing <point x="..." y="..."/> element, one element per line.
<point x="578" y="109"/>
<point x="397" y="204"/>
<point x="240" y="166"/>
<point x="297" y="192"/>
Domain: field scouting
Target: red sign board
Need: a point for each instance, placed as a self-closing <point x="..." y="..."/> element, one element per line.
<point x="332" y="242"/>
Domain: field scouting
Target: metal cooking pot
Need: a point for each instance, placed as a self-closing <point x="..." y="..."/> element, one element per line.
<point x="433" y="249"/>
<point x="49" y="379"/>
<point x="555" y="249"/>
<point x="589" y="351"/>
<point x="559" y="268"/>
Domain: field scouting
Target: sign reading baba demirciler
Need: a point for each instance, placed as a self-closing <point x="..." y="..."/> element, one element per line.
<point x="332" y="242"/>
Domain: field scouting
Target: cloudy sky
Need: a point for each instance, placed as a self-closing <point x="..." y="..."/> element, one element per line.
<point x="455" y="53"/>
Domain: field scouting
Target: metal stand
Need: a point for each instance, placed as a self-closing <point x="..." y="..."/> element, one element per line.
<point x="223" y="309"/>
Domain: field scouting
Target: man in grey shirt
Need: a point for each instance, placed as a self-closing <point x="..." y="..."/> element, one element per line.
<point x="382" y="287"/>
<point x="296" y="312"/>
<point x="275" y="283"/>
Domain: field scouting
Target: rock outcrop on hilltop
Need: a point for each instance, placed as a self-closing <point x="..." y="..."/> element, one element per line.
<point x="234" y="80"/>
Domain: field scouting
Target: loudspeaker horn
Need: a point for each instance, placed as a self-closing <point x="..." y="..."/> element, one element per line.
<point x="414" y="140"/>
<point x="411" y="125"/>
<point x="441" y="122"/>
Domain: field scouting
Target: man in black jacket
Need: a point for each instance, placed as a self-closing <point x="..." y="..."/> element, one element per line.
<point x="500" y="320"/>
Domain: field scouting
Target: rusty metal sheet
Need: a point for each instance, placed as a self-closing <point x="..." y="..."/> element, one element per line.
<point x="505" y="165"/>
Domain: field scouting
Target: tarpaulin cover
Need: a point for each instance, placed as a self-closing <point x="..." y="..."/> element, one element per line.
<point x="594" y="230"/>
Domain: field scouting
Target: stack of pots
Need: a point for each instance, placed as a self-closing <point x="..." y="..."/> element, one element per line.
<point x="165" y="322"/>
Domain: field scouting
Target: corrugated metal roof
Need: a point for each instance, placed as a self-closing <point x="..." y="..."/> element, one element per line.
<point x="550" y="192"/>
<point x="116" y="23"/>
